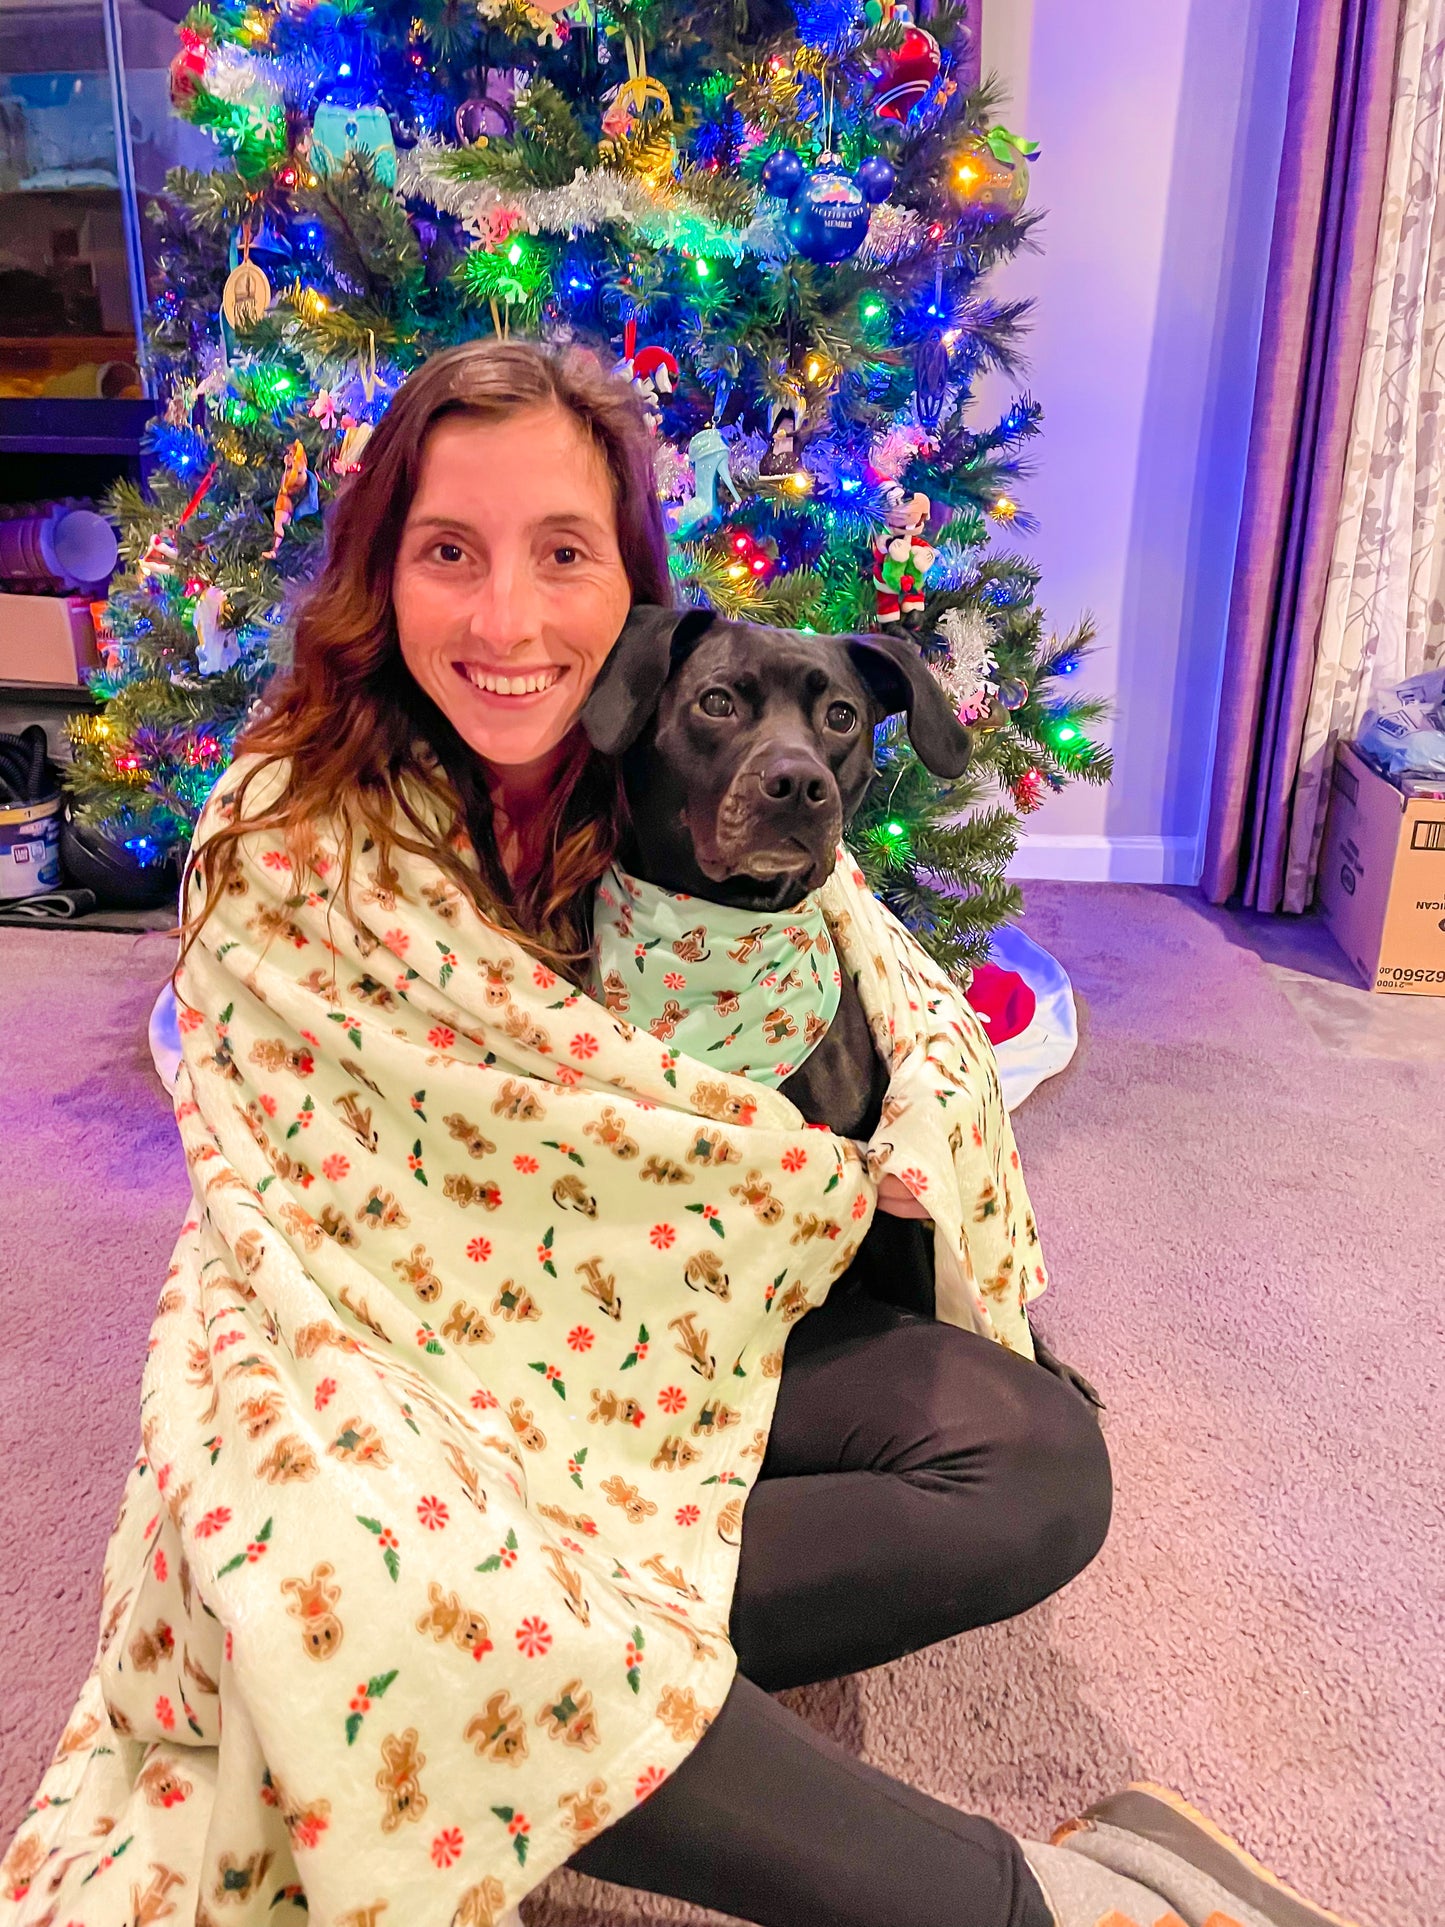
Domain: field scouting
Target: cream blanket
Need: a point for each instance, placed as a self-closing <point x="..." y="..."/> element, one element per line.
<point x="459" y="1379"/>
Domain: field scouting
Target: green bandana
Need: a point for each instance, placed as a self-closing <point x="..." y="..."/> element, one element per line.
<point x="751" y="993"/>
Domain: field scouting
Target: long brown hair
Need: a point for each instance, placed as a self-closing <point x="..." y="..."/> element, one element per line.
<point x="363" y="742"/>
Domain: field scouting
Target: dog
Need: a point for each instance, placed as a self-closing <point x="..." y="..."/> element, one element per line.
<point x="745" y="753"/>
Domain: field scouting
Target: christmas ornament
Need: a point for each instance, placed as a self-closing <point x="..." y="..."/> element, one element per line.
<point x="323" y="409"/>
<point x="159" y="559"/>
<point x="293" y="481"/>
<point x="652" y="371"/>
<point x="188" y="68"/>
<point x="829" y="214"/>
<point x="783" y="174"/>
<point x="708" y="453"/>
<point x="1002" y="1001"/>
<point x="902" y="75"/>
<point x="630" y="100"/>
<point x="497" y="227"/>
<point x="354" y="438"/>
<point x="246" y="295"/>
<point x="482" y="120"/>
<point x="780" y="471"/>
<point x="930" y="378"/>
<point x="216" y="646"/>
<point x="990" y="173"/>
<point x="902" y="559"/>
<point x="876" y="176"/>
<point x="340" y="128"/>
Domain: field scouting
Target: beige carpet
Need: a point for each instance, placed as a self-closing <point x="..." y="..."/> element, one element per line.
<point x="1239" y="1184"/>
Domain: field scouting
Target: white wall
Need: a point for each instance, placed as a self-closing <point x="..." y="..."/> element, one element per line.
<point x="1161" y="123"/>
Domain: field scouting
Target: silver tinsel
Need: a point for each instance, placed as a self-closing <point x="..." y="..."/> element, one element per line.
<point x="594" y="197"/>
<point x="969" y="672"/>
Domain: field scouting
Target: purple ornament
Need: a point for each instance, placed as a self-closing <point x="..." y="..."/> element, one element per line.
<point x="782" y="174"/>
<point x="876" y="177"/>
<point x="482" y="120"/>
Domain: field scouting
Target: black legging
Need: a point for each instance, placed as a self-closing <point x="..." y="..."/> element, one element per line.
<point x="919" y="1480"/>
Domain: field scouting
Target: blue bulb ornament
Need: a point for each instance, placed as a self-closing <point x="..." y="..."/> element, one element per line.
<point x="876" y="177"/>
<point x="782" y="173"/>
<point x="829" y="214"/>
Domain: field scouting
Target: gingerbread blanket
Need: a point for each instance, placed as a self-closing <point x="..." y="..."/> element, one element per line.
<point x="459" y="1380"/>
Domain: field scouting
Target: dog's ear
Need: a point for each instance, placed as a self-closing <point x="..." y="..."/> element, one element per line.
<point x="898" y="680"/>
<point x="624" y="696"/>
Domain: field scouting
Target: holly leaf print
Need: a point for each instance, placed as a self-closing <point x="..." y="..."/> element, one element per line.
<point x="709" y="1215"/>
<point x="418" y="1098"/>
<point x="637" y="1351"/>
<point x="832" y="1183"/>
<point x="349" y="1024"/>
<point x="111" y="1853"/>
<point x="725" y="1478"/>
<point x="249" y="1557"/>
<point x="416" y="1170"/>
<point x="772" y="1291"/>
<point x="519" y="1827"/>
<point x="566" y="1150"/>
<point x="634" y="1671"/>
<point x="306" y="1110"/>
<point x="374" y="1688"/>
<point x="500" y="1559"/>
<point x="552" y="1376"/>
<point x="388" y="1542"/>
<point x="579" y="1458"/>
<point x="449" y="963"/>
<point x="544" y="1252"/>
<point x="213" y="1446"/>
<point x="267" y="1181"/>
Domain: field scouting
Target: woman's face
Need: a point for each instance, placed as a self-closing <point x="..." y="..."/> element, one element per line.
<point x="509" y="589"/>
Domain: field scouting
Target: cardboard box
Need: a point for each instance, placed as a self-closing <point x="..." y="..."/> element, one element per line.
<point x="46" y="639"/>
<point x="1382" y="879"/>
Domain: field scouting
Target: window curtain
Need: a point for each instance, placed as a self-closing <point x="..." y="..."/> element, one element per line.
<point x="1384" y="610"/>
<point x="1317" y="305"/>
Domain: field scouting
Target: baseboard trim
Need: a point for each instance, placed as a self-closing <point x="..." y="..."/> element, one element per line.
<point x="1106" y="859"/>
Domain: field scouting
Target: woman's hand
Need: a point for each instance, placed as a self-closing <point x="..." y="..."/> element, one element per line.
<point x="897" y="1200"/>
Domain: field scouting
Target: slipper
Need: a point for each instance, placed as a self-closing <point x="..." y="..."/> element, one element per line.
<point x="1167" y="1820"/>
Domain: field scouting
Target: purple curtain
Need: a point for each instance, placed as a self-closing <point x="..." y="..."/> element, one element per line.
<point x="1316" y="302"/>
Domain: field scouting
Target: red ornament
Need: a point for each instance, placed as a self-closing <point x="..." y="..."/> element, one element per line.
<point x="1004" y="1003"/>
<point x="904" y="74"/>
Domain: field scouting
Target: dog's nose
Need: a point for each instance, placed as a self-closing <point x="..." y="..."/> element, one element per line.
<point x="794" y="780"/>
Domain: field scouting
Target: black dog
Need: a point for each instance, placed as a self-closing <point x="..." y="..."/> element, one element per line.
<point x="746" y="751"/>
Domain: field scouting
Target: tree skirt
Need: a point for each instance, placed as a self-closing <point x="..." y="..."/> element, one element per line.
<point x="1040" y="1050"/>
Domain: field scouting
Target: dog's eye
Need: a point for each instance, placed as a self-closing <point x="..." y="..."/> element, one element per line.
<point x="715" y="702"/>
<point x="842" y="717"/>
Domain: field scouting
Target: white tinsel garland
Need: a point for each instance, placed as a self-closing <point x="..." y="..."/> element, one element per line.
<point x="969" y="672"/>
<point x="594" y="197"/>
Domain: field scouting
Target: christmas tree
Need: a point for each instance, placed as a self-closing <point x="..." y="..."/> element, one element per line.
<point x="778" y="223"/>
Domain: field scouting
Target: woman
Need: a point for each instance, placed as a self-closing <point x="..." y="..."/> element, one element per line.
<point x="911" y="1480"/>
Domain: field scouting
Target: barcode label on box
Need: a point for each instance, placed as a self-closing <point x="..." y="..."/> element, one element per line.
<point x="1429" y="835"/>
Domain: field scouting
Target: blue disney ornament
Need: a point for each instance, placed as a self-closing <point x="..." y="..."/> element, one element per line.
<point x="782" y="174"/>
<point x="876" y="177"/>
<point x="829" y="214"/>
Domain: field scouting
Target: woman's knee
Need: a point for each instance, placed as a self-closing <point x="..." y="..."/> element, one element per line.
<point x="1052" y="1467"/>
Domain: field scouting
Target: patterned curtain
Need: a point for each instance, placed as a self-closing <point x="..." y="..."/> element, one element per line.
<point x="1384" y="611"/>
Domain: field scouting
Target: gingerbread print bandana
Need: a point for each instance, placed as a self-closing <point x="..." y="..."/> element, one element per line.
<point x="459" y="1379"/>
<point x="748" y="993"/>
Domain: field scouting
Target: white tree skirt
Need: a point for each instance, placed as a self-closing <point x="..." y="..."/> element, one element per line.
<point x="1023" y="1062"/>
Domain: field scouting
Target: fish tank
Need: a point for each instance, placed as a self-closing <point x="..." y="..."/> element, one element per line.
<point x="86" y="137"/>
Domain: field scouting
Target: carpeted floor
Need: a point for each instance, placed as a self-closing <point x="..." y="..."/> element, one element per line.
<point x="1239" y="1187"/>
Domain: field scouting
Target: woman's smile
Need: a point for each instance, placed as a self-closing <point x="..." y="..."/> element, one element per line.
<point x="514" y="684"/>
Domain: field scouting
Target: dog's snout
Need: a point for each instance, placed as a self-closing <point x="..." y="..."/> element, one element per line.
<point x="794" y="780"/>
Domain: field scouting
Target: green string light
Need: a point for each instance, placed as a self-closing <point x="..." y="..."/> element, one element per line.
<point x="704" y="268"/>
